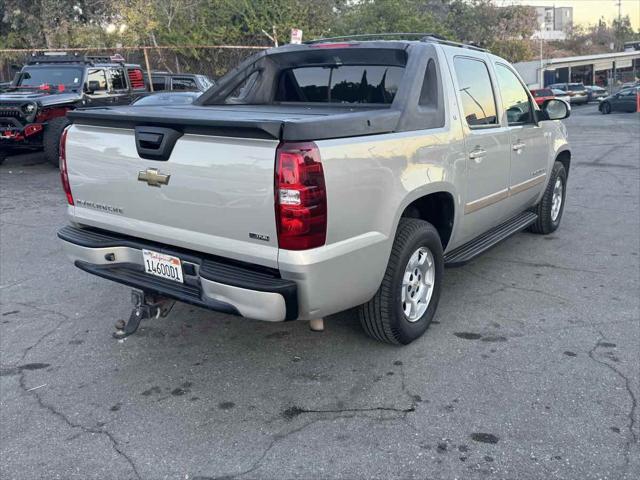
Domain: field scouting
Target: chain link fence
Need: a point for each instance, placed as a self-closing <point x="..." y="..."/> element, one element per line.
<point x="213" y="61"/>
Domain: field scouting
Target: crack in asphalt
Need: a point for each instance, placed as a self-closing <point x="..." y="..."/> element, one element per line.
<point x="293" y="412"/>
<point x="57" y="413"/>
<point x="50" y="408"/>
<point x="276" y="438"/>
<point x="508" y="286"/>
<point x="633" y="437"/>
<point x="542" y="265"/>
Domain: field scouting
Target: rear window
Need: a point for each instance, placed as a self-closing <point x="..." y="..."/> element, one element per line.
<point x="363" y="84"/>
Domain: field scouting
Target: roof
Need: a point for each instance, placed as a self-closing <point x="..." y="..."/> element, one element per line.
<point x="594" y="57"/>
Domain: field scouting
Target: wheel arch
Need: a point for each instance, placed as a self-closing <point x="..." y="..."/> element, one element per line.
<point x="564" y="157"/>
<point x="437" y="208"/>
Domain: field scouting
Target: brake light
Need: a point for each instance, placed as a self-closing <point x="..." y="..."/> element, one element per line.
<point x="334" y="45"/>
<point x="300" y="197"/>
<point x="136" y="78"/>
<point x="64" y="174"/>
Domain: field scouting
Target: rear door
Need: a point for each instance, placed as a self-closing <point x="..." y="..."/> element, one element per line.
<point x="529" y="148"/>
<point x="487" y="144"/>
<point x="627" y="100"/>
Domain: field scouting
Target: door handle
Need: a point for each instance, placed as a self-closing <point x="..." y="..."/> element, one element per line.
<point x="477" y="154"/>
<point x="519" y="146"/>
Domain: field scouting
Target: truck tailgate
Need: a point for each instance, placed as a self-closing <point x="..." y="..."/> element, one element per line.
<point x="219" y="197"/>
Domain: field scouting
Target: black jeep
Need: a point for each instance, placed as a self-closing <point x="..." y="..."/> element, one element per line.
<point x="34" y="105"/>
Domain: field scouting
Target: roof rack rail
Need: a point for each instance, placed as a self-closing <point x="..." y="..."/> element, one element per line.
<point x="63" y="57"/>
<point x="373" y="36"/>
<point x="423" y="37"/>
<point x="438" y="39"/>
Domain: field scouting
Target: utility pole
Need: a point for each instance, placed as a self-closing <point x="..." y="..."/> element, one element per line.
<point x="619" y="3"/>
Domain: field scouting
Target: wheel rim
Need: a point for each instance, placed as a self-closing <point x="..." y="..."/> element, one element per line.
<point x="556" y="199"/>
<point x="417" y="284"/>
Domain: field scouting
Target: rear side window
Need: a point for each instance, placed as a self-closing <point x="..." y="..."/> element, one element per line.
<point x="158" y="83"/>
<point x="476" y="93"/>
<point x="515" y="100"/>
<point x="363" y="84"/>
<point x="429" y="91"/>
<point x="118" y="81"/>
<point x="576" y="87"/>
<point x="183" y="84"/>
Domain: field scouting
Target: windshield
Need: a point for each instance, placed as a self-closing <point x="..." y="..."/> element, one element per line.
<point x="38" y="76"/>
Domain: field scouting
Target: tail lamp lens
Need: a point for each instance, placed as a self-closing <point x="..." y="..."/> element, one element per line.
<point x="64" y="174"/>
<point x="301" y="197"/>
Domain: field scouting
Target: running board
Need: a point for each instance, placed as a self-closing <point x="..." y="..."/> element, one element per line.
<point x="484" y="242"/>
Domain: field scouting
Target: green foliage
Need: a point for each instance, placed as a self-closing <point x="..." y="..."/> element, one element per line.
<point x="506" y="30"/>
<point x="391" y="16"/>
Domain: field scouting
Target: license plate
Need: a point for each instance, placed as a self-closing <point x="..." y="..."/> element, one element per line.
<point x="163" y="266"/>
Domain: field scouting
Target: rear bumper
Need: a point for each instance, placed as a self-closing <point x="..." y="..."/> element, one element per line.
<point x="209" y="282"/>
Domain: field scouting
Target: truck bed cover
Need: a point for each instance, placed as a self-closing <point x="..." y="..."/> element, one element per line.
<point x="282" y="122"/>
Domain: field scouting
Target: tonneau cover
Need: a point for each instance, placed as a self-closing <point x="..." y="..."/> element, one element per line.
<point x="282" y="122"/>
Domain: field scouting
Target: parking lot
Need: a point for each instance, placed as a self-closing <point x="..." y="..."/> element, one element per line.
<point x="531" y="369"/>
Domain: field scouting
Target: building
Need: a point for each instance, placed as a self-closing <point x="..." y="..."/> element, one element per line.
<point x="562" y="18"/>
<point x="604" y="69"/>
<point x="553" y="21"/>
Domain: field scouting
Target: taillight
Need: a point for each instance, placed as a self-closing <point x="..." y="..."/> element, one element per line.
<point x="136" y="78"/>
<point x="64" y="174"/>
<point x="301" y="197"/>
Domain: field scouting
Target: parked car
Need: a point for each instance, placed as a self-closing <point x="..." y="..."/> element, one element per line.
<point x="626" y="85"/>
<point x="577" y="91"/>
<point x="594" y="92"/>
<point x="541" y="95"/>
<point x="391" y="159"/>
<point x="167" y="98"/>
<point x="34" y="106"/>
<point x="623" y="101"/>
<point x="179" y="81"/>
<point x="561" y="95"/>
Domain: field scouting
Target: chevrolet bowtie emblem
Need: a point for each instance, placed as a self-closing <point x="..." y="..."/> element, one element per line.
<point x="153" y="177"/>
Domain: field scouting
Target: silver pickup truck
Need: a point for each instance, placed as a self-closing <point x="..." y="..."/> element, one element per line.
<point x="315" y="178"/>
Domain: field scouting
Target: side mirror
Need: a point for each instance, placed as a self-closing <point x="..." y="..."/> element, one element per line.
<point x="93" y="86"/>
<point x="555" y="109"/>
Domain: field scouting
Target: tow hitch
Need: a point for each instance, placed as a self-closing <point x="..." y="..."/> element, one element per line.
<point x="145" y="305"/>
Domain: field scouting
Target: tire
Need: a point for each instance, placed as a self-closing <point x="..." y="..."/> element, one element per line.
<point x="51" y="139"/>
<point x="383" y="317"/>
<point x="548" y="221"/>
<point x="605" y="108"/>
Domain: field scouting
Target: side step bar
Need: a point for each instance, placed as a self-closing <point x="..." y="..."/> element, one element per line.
<point x="484" y="242"/>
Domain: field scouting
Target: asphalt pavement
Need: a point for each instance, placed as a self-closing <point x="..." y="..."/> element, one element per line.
<point x="530" y="371"/>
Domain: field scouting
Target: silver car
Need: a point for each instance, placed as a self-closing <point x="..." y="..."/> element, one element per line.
<point x="315" y="178"/>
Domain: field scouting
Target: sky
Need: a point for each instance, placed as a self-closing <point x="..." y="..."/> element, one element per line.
<point x="587" y="12"/>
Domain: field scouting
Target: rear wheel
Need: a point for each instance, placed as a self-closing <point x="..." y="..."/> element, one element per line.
<point x="407" y="299"/>
<point x="551" y="206"/>
<point x="51" y="139"/>
<point x="605" y="108"/>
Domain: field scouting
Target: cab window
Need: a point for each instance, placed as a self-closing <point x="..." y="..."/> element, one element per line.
<point x="476" y="92"/>
<point x="515" y="99"/>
